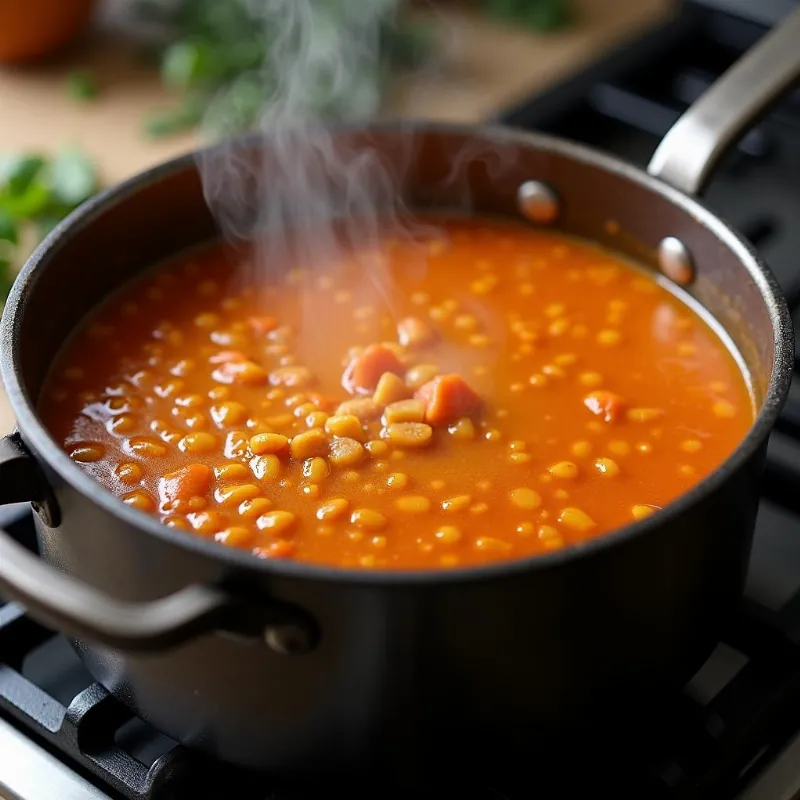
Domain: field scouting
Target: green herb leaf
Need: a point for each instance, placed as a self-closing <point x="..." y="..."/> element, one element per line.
<point x="186" y="63"/>
<point x="544" y="15"/>
<point x="73" y="177"/>
<point x="81" y="85"/>
<point x="9" y="230"/>
<point x="184" y="117"/>
<point x="18" y="172"/>
<point x="28" y="204"/>
<point x="38" y="194"/>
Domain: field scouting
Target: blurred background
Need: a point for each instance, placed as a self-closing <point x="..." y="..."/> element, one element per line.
<point x="128" y="81"/>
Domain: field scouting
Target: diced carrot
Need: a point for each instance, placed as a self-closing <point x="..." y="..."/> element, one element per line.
<point x="413" y="332"/>
<point x="263" y="325"/>
<point x="447" y="398"/>
<point x="193" y="480"/>
<point x="365" y="370"/>
<point x="605" y="404"/>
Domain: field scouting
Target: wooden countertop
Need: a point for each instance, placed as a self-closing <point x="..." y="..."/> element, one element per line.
<point x="484" y="68"/>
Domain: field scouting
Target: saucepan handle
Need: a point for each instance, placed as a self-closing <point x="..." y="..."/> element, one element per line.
<point x="695" y="143"/>
<point x="70" y="606"/>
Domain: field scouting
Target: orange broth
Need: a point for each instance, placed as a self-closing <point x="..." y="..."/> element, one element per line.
<point x="488" y="393"/>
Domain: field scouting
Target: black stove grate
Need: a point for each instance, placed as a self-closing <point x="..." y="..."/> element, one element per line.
<point x="742" y="707"/>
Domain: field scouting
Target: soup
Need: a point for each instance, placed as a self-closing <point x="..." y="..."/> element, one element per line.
<point x="489" y="392"/>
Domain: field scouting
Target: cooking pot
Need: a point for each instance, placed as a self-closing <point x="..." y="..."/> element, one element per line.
<point x="310" y="670"/>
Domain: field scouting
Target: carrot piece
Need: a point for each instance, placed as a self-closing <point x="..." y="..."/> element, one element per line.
<point x="365" y="370"/>
<point x="605" y="404"/>
<point x="412" y="332"/>
<point x="263" y="325"/>
<point x="447" y="398"/>
<point x="193" y="480"/>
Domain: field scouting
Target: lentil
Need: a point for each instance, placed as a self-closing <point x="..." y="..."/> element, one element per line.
<point x="390" y="389"/>
<point x="263" y="443"/>
<point x="525" y="498"/>
<point x="332" y="509"/>
<point x="140" y="500"/>
<point x="566" y="470"/>
<point x="607" y="467"/>
<point x="458" y="503"/>
<point x="129" y="473"/>
<point x="235" y="494"/>
<point x="408" y="434"/>
<point x="413" y="504"/>
<point x="346" y="452"/>
<point x="376" y="448"/>
<point x="463" y="428"/>
<point x="263" y="421"/>
<point x="316" y="469"/>
<point x="642" y="512"/>
<point x="278" y="523"/>
<point x="368" y="519"/>
<point x="309" y="443"/>
<point x="266" y="467"/>
<point x="198" y="443"/>
<point x="448" y="534"/>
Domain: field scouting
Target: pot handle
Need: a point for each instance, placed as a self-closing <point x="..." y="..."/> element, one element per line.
<point x="58" y="600"/>
<point x="693" y="146"/>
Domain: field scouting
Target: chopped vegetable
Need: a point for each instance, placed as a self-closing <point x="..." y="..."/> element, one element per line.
<point x="446" y="398"/>
<point x="365" y="370"/>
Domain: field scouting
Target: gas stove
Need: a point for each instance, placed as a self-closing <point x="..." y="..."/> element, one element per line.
<point x="734" y="730"/>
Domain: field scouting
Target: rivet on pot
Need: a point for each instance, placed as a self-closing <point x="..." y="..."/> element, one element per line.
<point x="288" y="640"/>
<point x="538" y="202"/>
<point x="675" y="261"/>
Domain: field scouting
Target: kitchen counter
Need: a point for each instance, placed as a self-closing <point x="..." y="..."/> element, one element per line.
<point x="483" y="68"/>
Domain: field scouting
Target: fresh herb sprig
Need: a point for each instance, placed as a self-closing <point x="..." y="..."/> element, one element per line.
<point x="543" y="15"/>
<point x="217" y="51"/>
<point x="36" y="193"/>
<point x="81" y="85"/>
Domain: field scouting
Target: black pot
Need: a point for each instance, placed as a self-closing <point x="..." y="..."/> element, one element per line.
<point x="302" y="669"/>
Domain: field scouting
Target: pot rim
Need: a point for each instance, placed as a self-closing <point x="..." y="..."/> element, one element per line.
<point x="34" y="432"/>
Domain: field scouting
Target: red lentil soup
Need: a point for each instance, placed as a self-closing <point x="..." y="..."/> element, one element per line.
<point x="488" y="392"/>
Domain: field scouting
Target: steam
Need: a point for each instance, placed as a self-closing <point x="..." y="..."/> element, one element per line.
<point x="313" y="193"/>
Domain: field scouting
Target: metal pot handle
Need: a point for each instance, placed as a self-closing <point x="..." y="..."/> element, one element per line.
<point x="693" y="146"/>
<point x="58" y="600"/>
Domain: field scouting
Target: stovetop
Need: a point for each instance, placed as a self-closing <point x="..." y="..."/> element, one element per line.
<point x="734" y="731"/>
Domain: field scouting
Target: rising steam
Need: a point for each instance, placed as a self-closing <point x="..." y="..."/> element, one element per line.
<point x="324" y="65"/>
